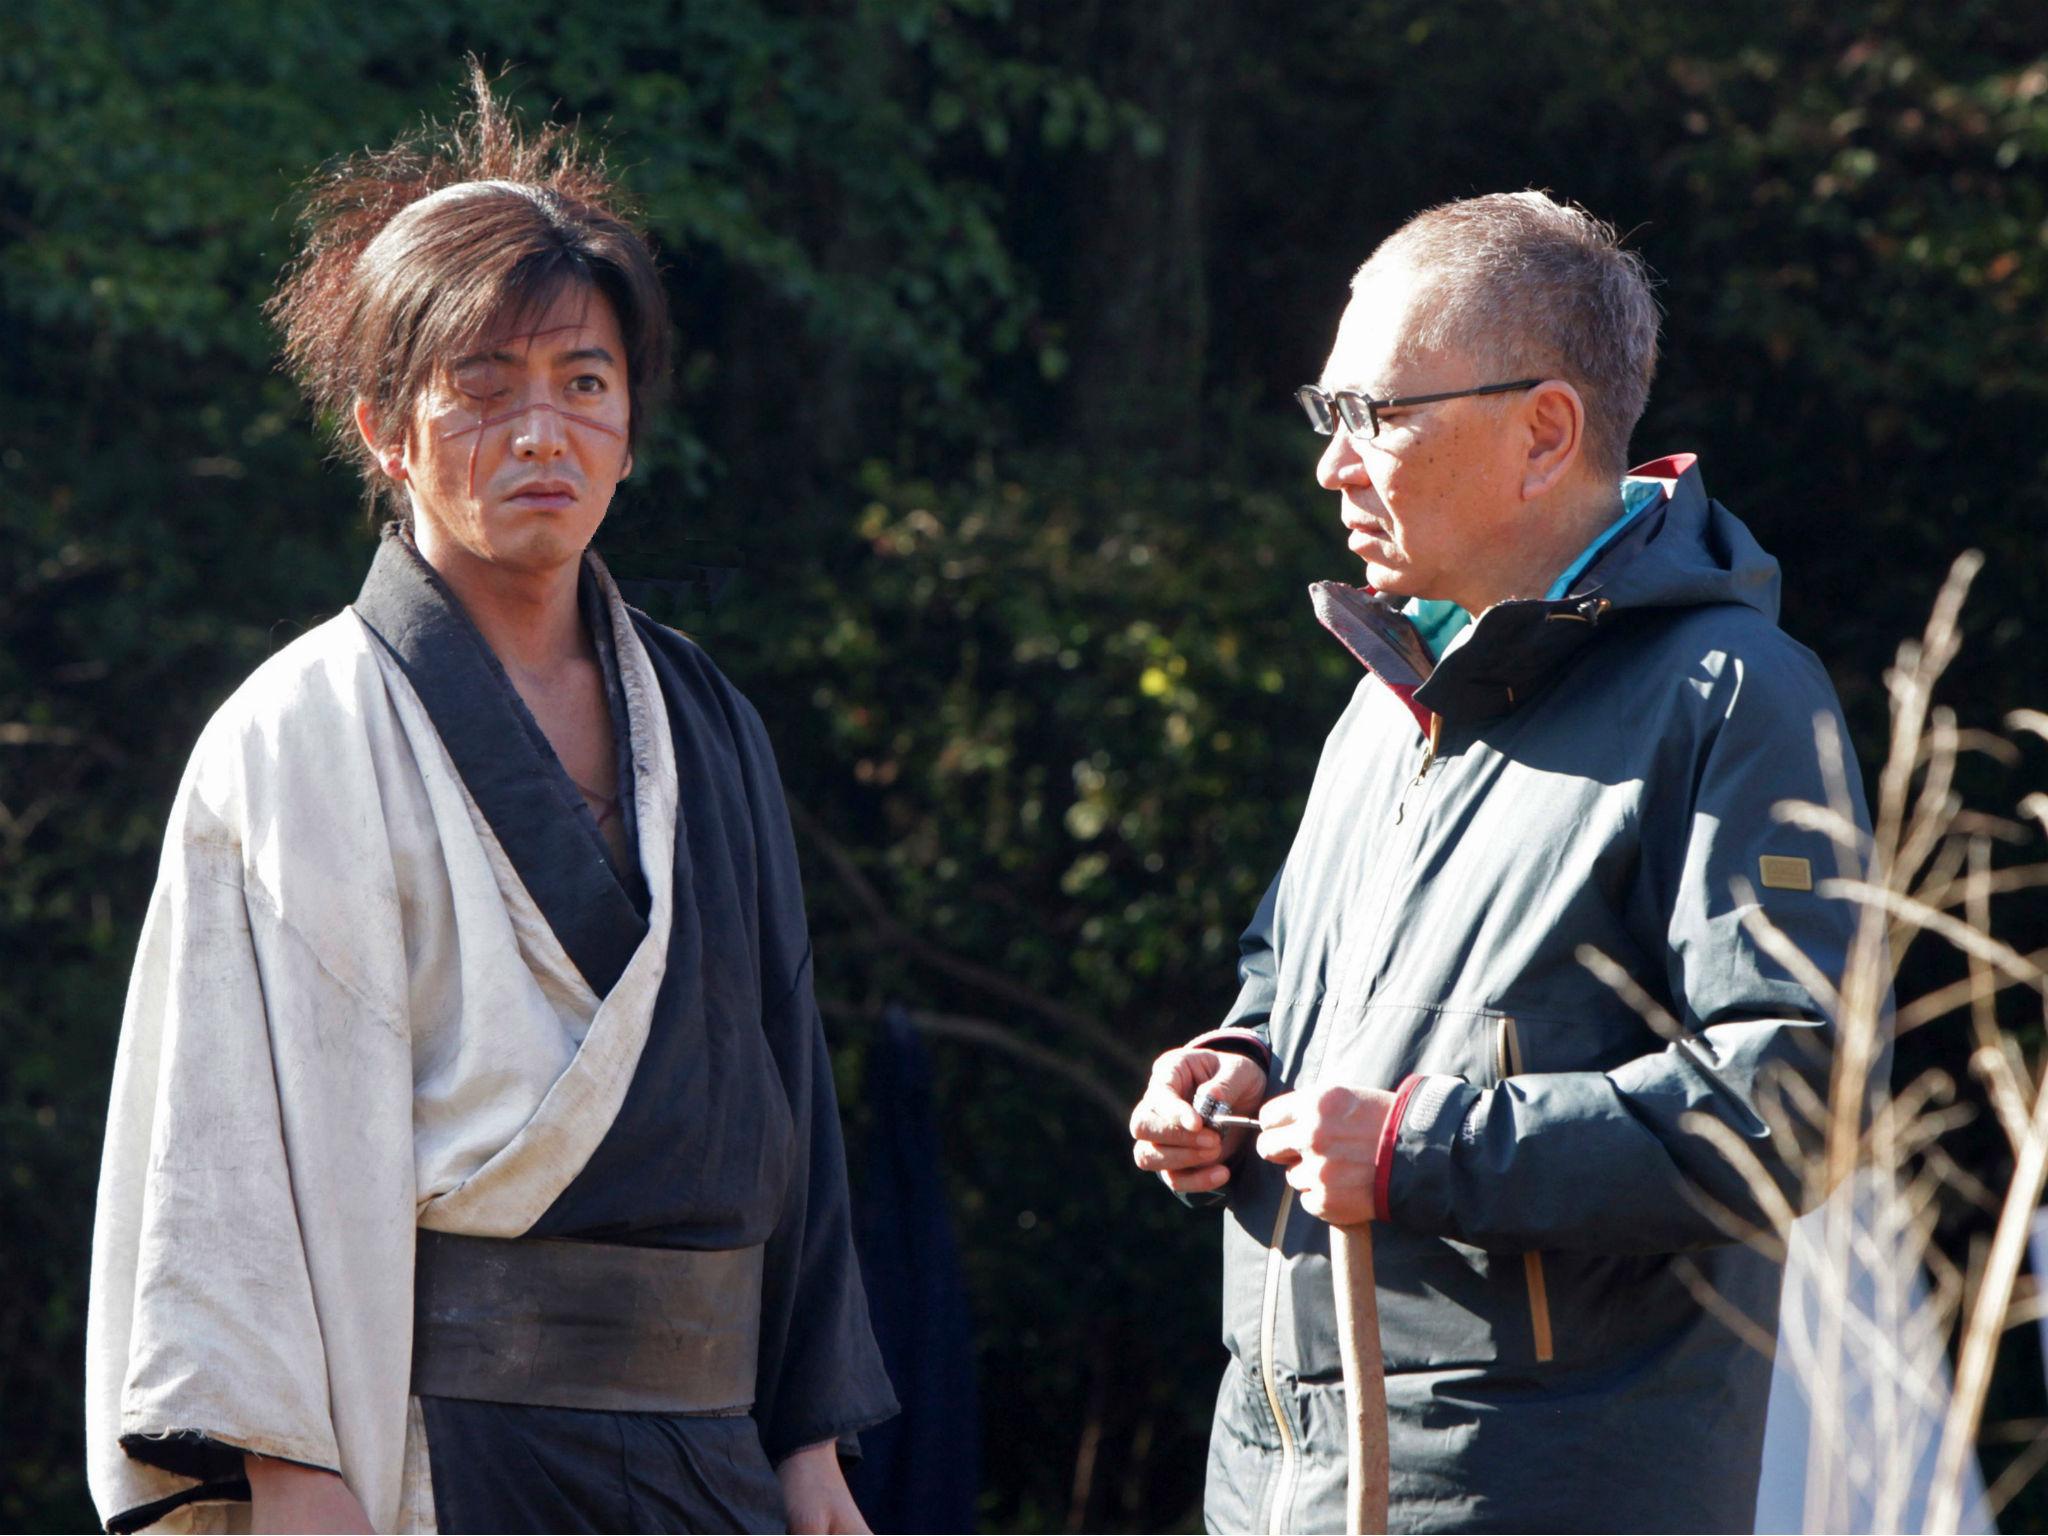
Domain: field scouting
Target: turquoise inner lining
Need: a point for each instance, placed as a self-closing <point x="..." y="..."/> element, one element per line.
<point x="1440" y="621"/>
<point x="1636" y="495"/>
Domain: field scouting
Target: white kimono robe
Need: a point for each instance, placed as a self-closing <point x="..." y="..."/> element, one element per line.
<point x="348" y="1018"/>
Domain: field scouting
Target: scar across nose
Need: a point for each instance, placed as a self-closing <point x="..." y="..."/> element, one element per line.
<point x="484" y="423"/>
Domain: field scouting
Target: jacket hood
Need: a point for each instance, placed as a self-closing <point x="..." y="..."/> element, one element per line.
<point x="1685" y="551"/>
<point x="1692" y="551"/>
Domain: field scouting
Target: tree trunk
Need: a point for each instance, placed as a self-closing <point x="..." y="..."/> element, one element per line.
<point x="1140" y="321"/>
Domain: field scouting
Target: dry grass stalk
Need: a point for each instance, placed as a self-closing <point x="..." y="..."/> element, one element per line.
<point x="1866" y="1350"/>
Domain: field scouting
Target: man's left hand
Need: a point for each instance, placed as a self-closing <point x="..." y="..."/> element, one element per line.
<point x="1328" y="1140"/>
<point x="814" y="1492"/>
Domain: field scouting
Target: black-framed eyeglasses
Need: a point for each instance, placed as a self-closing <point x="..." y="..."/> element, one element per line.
<point x="1361" y="416"/>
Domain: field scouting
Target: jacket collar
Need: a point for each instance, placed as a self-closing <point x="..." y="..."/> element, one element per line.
<point x="1514" y="647"/>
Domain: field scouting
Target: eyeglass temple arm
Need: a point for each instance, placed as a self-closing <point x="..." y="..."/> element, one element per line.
<point x="1452" y="394"/>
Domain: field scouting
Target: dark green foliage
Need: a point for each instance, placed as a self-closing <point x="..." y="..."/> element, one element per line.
<point x="989" y="313"/>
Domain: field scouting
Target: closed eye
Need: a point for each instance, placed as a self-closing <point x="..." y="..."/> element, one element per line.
<point x="481" y="381"/>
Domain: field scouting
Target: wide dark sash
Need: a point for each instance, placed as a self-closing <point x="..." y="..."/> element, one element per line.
<point x="603" y="1326"/>
<point x="538" y="815"/>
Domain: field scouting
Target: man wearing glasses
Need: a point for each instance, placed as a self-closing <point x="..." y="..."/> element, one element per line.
<point x="1576" y="716"/>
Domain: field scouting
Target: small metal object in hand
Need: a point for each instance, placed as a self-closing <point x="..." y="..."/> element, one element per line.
<point x="1215" y="1113"/>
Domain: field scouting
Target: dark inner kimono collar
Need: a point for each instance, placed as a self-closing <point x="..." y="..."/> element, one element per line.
<point x="539" y="816"/>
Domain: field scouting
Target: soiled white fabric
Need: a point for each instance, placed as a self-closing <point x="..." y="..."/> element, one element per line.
<point x="347" y="1019"/>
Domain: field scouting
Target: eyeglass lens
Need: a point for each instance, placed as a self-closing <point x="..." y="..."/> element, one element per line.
<point x="1357" y="415"/>
<point x="1316" y="405"/>
<point x="1325" y="411"/>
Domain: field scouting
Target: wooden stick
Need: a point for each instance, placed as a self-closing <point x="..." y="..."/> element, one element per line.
<point x="1365" y="1379"/>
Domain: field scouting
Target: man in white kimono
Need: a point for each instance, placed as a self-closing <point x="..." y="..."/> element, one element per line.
<point x="473" y="1160"/>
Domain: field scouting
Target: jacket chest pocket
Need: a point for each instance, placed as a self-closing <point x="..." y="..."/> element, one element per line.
<point x="1507" y="1063"/>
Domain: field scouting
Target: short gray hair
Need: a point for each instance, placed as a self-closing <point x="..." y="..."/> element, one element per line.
<point x="1535" y="287"/>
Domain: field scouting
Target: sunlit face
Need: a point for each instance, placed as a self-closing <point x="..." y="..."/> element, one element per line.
<point x="1428" y="501"/>
<point x="516" y="449"/>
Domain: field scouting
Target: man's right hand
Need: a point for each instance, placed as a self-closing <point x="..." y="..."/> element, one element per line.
<point x="285" y="1496"/>
<point x="1171" y="1139"/>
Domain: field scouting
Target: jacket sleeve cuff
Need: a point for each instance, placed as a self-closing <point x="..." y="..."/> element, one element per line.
<point x="1383" y="1155"/>
<point x="1416" y="1179"/>
<point x="1240" y="1041"/>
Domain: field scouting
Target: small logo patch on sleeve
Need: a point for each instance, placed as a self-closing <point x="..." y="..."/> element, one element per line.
<point x="1781" y="873"/>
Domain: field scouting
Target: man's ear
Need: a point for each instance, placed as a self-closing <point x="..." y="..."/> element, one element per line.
<point x="1555" y="417"/>
<point x="626" y="473"/>
<point x="390" y="460"/>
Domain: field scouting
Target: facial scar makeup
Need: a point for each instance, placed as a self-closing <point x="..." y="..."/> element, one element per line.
<point x="483" y="423"/>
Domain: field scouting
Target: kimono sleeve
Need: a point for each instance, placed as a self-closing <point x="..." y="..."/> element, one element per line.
<point x="821" y="1375"/>
<point x="202" y="1335"/>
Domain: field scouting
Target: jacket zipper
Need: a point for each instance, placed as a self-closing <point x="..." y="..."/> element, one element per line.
<point x="1436" y="731"/>
<point x="1508" y="1063"/>
<point x="1269" y="1328"/>
<point x="1283" y="1488"/>
<point x="1290" y="1455"/>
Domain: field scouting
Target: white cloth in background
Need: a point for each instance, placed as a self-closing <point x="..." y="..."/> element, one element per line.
<point x="1889" y="1425"/>
<point x="2037" y="1244"/>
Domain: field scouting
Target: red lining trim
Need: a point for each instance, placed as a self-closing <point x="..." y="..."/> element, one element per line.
<point x="1405" y="692"/>
<point x="1672" y="468"/>
<point x="1383" y="1156"/>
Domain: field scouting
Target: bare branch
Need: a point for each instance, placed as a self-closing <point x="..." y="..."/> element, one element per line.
<point x="1949" y="1283"/>
<point x="1985" y="1324"/>
<point x="1770" y="1199"/>
<point x="2013" y="1431"/>
<point x="2003" y="882"/>
<point x="1960" y="934"/>
<point x="1940" y="876"/>
<point x="1960" y="1179"/>
<point x="17" y="829"/>
<point x="2003" y="828"/>
<point x="1798" y="1092"/>
<point x="1718" y="1306"/>
<point x="1937" y="804"/>
<point x="1853" y="846"/>
<point x="894" y="933"/>
<point x="2028" y="720"/>
<point x="1771" y="939"/>
<point x="1624" y="986"/>
<point x="1823" y="819"/>
<point x="1002" y="1038"/>
<point x="2030" y="1308"/>
<point x="1993" y="1067"/>
<point x="23" y="733"/>
<point x="1989" y="743"/>
<point x="1945" y="1000"/>
<point x="2036" y="806"/>
<point x="1911" y="682"/>
<point x="2018" y="1474"/>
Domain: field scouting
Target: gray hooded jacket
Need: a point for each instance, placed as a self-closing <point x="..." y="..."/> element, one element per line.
<point x="1604" y="768"/>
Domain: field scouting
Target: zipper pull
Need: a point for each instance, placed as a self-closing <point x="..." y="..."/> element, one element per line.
<point x="1436" y="730"/>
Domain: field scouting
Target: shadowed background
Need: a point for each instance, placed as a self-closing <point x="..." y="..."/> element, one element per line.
<point x="983" y="480"/>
